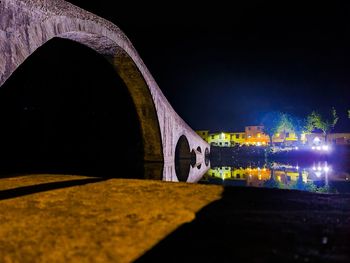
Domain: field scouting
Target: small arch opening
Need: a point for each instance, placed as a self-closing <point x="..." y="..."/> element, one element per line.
<point x="183" y="159"/>
<point x="193" y="158"/>
<point x="199" y="149"/>
<point x="206" y="157"/>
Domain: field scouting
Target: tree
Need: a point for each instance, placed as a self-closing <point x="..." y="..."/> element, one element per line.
<point x="299" y="126"/>
<point x="325" y="123"/>
<point x="285" y="123"/>
<point x="271" y="122"/>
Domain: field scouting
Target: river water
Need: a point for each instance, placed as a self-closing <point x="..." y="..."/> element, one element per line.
<point x="320" y="176"/>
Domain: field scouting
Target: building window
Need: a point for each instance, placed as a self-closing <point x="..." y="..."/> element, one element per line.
<point x="287" y="134"/>
<point x="220" y="143"/>
<point x="212" y="136"/>
<point x="237" y="136"/>
<point x="226" y="143"/>
<point x="248" y="128"/>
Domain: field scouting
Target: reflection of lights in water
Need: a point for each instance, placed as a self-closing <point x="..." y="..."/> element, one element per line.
<point x="297" y="167"/>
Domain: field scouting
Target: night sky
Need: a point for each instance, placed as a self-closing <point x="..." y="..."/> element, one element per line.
<point x="223" y="67"/>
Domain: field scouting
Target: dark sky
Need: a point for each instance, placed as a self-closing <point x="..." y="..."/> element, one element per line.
<point x="222" y="67"/>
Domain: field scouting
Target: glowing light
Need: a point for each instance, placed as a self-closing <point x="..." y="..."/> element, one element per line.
<point x="297" y="167"/>
<point x="326" y="168"/>
<point x="296" y="148"/>
<point x="318" y="174"/>
<point x="317" y="140"/>
<point x="313" y="147"/>
<point x="319" y="168"/>
<point x="325" y="147"/>
<point x="314" y="168"/>
<point x="318" y="148"/>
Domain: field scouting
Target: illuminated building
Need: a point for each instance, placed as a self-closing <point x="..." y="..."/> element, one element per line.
<point x="203" y="134"/>
<point x="256" y="136"/>
<point x="238" y="138"/>
<point x="221" y="139"/>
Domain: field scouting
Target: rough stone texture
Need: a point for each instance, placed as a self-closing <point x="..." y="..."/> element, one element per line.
<point x="25" y="25"/>
<point x="60" y="218"/>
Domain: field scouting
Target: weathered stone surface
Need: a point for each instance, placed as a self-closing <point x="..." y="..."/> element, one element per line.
<point x="82" y="219"/>
<point x="25" y="25"/>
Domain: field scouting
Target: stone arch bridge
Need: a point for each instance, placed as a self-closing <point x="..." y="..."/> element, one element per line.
<point x="25" y="25"/>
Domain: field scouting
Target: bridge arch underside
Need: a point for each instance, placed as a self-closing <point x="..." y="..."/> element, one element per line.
<point x="66" y="109"/>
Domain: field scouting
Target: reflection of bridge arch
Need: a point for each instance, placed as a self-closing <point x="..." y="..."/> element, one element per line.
<point x="27" y="25"/>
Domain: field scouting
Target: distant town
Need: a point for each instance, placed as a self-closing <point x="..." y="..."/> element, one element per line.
<point x="254" y="135"/>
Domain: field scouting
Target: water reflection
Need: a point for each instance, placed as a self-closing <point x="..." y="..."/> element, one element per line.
<point x="193" y="173"/>
<point x="320" y="176"/>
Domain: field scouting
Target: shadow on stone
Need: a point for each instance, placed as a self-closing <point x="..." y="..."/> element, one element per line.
<point x="32" y="189"/>
<point x="262" y="225"/>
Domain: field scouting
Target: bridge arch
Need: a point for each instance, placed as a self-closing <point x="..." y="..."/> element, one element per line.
<point x="27" y="25"/>
<point x="116" y="52"/>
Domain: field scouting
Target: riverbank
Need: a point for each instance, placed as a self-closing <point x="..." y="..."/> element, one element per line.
<point x="46" y="218"/>
<point x="227" y="155"/>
